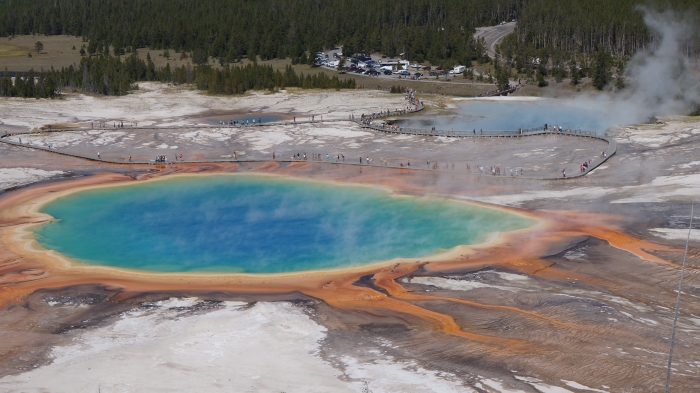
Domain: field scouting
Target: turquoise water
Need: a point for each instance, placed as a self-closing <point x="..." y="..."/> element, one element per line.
<point x="257" y="224"/>
<point x="513" y="115"/>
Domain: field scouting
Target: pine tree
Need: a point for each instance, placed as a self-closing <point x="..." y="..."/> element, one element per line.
<point x="601" y="73"/>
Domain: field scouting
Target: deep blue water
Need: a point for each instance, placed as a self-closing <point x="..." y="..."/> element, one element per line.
<point x="513" y="115"/>
<point x="257" y="224"/>
<point x="265" y="117"/>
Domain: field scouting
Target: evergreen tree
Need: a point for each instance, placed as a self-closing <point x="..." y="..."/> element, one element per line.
<point x="341" y="63"/>
<point x="575" y="74"/>
<point x="601" y="73"/>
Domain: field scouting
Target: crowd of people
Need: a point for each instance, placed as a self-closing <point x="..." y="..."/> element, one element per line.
<point x="315" y="157"/>
<point x="413" y="105"/>
<point x="240" y="123"/>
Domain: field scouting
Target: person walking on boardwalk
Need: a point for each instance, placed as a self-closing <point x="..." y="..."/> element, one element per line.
<point x="273" y="155"/>
<point x="98" y="155"/>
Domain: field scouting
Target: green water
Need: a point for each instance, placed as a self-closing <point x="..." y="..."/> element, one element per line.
<point x="258" y="224"/>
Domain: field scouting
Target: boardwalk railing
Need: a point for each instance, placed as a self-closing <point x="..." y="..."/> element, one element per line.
<point x="499" y="92"/>
<point x="476" y="133"/>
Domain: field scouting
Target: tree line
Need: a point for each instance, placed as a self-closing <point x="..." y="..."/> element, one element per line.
<point x="557" y="38"/>
<point x="228" y="30"/>
<point x="587" y="26"/>
<point x="434" y="30"/>
<point x="110" y="75"/>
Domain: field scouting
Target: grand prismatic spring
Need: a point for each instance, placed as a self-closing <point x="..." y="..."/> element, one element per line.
<point x="333" y="265"/>
<point x="258" y="224"/>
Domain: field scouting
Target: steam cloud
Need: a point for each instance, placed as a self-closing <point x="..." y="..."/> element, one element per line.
<point x="662" y="81"/>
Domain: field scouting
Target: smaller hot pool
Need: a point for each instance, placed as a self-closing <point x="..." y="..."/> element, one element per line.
<point x="246" y="118"/>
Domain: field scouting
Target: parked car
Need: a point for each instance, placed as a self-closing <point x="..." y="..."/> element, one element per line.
<point x="433" y="73"/>
<point x="415" y="65"/>
<point x="387" y="72"/>
<point x="373" y="73"/>
<point x="439" y="68"/>
<point x="418" y="75"/>
<point x="404" y="73"/>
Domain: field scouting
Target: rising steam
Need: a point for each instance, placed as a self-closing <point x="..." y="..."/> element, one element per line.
<point x="662" y="81"/>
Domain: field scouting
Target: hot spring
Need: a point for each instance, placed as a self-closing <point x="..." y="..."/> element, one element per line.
<point x="258" y="224"/>
<point x="516" y="114"/>
<point x="246" y="118"/>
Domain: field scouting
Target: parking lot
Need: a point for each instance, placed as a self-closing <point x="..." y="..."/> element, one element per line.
<point x="378" y="66"/>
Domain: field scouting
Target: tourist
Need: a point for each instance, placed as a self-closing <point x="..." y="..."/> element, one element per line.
<point x="563" y="172"/>
<point x="98" y="155"/>
<point x="273" y="155"/>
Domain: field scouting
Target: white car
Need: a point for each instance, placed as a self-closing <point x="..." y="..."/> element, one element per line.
<point x="416" y="65"/>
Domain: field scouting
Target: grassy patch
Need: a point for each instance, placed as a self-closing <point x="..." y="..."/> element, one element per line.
<point x="7" y="50"/>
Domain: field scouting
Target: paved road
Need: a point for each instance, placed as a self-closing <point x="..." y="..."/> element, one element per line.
<point x="493" y="35"/>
